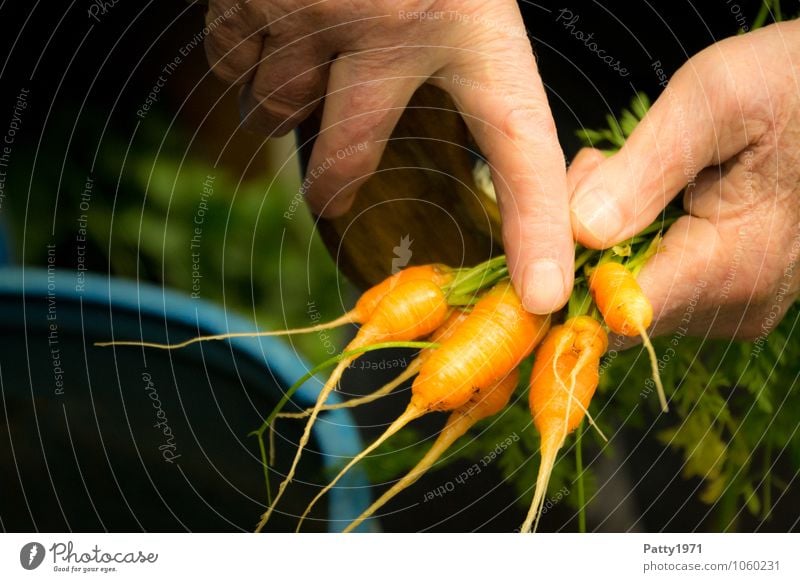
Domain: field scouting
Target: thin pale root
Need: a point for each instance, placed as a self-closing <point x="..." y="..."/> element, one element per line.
<point x="458" y="424"/>
<point x="346" y="318"/>
<point x="549" y="450"/>
<point x="323" y="395"/>
<point x="411" y="370"/>
<point x="662" y="398"/>
<point x="401" y="421"/>
<point x="591" y="420"/>
<point x="558" y="351"/>
<point x="573" y="379"/>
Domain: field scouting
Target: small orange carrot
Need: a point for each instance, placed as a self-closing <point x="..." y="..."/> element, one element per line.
<point x="411" y="310"/>
<point x="617" y="294"/>
<point x="566" y="368"/>
<point x="626" y="310"/>
<point x="439" y="274"/>
<point x="493" y="339"/>
<point x="482" y="404"/>
<point x="360" y="314"/>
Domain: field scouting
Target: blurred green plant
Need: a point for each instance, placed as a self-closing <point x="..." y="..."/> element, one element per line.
<point x="734" y="404"/>
<point x="146" y="202"/>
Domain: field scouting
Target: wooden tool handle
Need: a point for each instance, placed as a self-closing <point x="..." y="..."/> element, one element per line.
<point x="421" y="205"/>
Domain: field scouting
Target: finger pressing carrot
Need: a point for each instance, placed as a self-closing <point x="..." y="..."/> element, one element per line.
<point x="626" y="310"/>
<point x="564" y="378"/>
<point x="482" y="404"/>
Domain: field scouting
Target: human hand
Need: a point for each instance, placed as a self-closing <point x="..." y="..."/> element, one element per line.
<point x="366" y="59"/>
<point x="730" y="116"/>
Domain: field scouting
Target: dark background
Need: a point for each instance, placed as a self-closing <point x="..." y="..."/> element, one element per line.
<point x="87" y="79"/>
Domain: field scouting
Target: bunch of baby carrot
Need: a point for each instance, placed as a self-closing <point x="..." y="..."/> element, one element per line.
<point x="476" y="335"/>
<point x="473" y="333"/>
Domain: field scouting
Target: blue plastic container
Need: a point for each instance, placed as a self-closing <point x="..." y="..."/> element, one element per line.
<point x="129" y="439"/>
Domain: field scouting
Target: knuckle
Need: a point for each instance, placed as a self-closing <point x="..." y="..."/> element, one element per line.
<point x="536" y="231"/>
<point x="229" y="73"/>
<point x="351" y="166"/>
<point x="228" y="59"/>
<point x="351" y="131"/>
<point x="256" y="13"/>
<point x="290" y="96"/>
<point x="523" y="128"/>
<point x="757" y="319"/>
<point x="225" y="73"/>
<point x="360" y="122"/>
<point x="233" y="42"/>
<point x="365" y="97"/>
<point x="277" y="109"/>
<point x="531" y="121"/>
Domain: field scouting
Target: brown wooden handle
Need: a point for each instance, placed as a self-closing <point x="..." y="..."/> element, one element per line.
<point x="421" y="205"/>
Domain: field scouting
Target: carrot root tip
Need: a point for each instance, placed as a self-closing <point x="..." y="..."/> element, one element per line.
<point x="323" y="395"/>
<point x="662" y="398"/>
<point x="410" y="414"/>
<point x="548" y="460"/>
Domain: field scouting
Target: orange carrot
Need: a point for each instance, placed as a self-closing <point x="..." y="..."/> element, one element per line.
<point x="445" y="331"/>
<point x="482" y="404"/>
<point x="566" y="368"/>
<point x="369" y="300"/>
<point x="626" y="310"/>
<point x="620" y="299"/>
<point x="409" y="311"/>
<point x="493" y="339"/>
<point x="360" y="314"/>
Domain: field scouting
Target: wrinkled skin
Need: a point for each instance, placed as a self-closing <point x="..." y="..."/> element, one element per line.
<point x="731" y="115"/>
<point x="366" y="59"/>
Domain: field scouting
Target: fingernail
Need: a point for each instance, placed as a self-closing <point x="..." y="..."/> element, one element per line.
<point x="543" y="282"/>
<point x="597" y="213"/>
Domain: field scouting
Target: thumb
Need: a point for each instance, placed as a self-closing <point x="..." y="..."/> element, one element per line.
<point x="695" y="122"/>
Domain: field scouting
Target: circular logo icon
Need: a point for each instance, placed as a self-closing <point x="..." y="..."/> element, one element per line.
<point x="31" y="555"/>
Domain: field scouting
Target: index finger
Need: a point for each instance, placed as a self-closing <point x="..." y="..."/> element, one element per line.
<point x="506" y="109"/>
